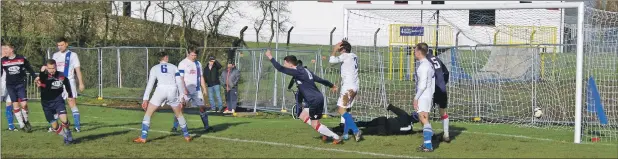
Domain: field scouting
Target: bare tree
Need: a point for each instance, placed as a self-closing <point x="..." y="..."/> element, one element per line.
<point x="146" y="10"/>
<point x="171" y="26"/>
<point x="283" y="9"/>
<point x="259" y="21"/>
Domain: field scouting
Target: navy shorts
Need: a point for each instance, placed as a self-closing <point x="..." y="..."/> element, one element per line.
<point x="440" y="98"/>
<point x="316" y="109"/>
<point x="17" y="92"/>
<point x="53" y="107"/>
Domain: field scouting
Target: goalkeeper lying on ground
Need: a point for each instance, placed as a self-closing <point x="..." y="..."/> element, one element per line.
<point x="383" y="126"/>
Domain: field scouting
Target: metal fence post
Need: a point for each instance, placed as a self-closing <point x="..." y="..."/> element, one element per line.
<point x="147" y="64"/>
<point x="100" y="60"/>
<point x="119" y="71"/>
<point x="257" y="86"/>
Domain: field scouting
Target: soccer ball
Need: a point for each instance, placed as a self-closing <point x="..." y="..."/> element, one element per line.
<point x="538" y="113"/>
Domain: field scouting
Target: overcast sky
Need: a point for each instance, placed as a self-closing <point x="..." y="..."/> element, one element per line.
<point x="312" y="20"/>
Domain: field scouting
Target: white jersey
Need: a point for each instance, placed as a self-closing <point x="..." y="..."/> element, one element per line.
<point x="349" y="69"/>
<point x="166" y="75"/>
<point x="60" y="58"/>
<point x="426" y="81"/>
<point x="191" y="72"/>
<point x="3" y="91"/>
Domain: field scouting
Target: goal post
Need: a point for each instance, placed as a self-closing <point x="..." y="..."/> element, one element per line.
<point x="382" y="15"/>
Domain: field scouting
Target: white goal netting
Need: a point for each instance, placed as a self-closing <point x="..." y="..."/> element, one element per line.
<point x="501" y="71"/>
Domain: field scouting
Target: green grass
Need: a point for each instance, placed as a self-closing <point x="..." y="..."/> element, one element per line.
<point x="107" y="132"/>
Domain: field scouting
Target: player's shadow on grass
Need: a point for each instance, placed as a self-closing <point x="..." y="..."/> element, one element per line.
<point x="98" y="136"/>
<point x="215" y="128"/>
<point x="454" y="132"/>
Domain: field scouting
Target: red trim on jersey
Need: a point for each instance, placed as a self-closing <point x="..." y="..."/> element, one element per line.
<point x="13" y="61"/>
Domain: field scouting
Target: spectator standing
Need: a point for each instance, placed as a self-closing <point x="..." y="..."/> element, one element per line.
<point x="229" y="79"/>
<point x="211" y="73"/>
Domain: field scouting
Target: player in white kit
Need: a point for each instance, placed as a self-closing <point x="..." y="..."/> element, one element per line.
<point x="191" y="74"/>
<point x="4" y="96"/>
<point x="68" y="63"/>
<point x="349" y="86"/>
<point x="169" y="86"/>
<point x="425" y="88"/>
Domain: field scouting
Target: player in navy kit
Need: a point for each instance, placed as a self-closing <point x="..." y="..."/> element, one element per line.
<point x="440" y="96"/>
<point x="52" y="85"/>
<point x="305" y="79"/>
<point x="15" y="66"/>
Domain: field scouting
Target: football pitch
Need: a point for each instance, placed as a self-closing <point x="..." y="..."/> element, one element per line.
<point x="108" y="132"/>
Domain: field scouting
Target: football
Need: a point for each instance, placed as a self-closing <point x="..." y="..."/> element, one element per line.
<point x="538" y="113"/>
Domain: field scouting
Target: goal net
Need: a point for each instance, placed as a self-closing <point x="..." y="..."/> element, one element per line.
<point x="507" y="63"/>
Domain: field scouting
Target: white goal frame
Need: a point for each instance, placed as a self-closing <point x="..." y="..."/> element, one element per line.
<point x="580" y="34"/>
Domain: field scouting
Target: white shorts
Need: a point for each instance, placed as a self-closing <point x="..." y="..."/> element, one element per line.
<point x="5" y="98"/>
<point x="164" y="95"/>
<point x="73" y="90"/>
<point x="424" y="105"/>
<point x="4" y="94"/>
<point x="346" y="99"/>
<point x="196" y="98"/>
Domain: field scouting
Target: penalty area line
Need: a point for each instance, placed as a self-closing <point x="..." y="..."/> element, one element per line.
<point x="285" y="145"/>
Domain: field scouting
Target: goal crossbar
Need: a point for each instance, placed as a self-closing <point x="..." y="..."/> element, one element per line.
<point x="580" y="34"/>
<point x="463" y="6"/>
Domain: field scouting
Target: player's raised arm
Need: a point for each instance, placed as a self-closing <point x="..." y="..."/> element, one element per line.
<point x="151" y="81"/>
<point x="288" y="71"/>
<point x="333" y="56"/>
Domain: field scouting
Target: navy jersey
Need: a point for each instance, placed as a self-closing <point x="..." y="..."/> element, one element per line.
<point x="305" y="80"/>
<point x="52" y="86"/>
<point x="15" y="69"/>
<point x="441" y="73"/>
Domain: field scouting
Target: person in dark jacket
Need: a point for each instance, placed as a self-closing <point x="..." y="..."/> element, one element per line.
<point x="211" y="73"/>
<point x="384" y="126"/>
<point x="229" y="79"/>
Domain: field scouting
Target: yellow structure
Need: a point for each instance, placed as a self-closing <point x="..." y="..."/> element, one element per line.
<point x="532" y="35"/>
<point x="396" y="42"/>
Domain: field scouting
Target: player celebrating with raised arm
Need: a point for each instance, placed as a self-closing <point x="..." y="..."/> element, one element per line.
<point x="169" y="86"/>
<point x="425" y="87"/>
<point x="193" y="84"/>
<point x="14" y="65"/>
<point x="349" y="85"/>
<point x="68" y="62"/>
<point x="440" y="97"/>
<point x="53" y="84"/>
<point x="310" y="92"/>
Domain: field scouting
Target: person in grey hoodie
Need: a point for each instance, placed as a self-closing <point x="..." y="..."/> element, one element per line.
<point x="229" y="80"/>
